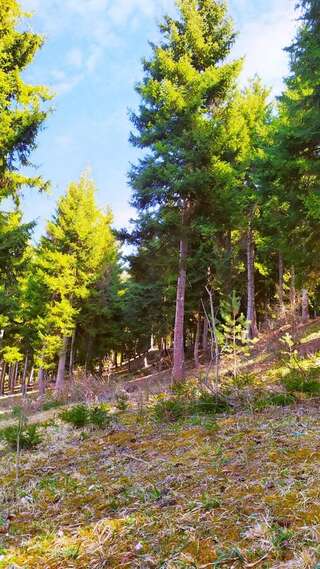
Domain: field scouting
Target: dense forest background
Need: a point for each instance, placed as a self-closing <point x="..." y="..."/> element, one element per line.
<point x="226" y="235"/>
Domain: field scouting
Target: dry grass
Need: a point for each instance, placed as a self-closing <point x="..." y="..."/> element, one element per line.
<point x="187" y="495"/>
<point x="242" y="491"/>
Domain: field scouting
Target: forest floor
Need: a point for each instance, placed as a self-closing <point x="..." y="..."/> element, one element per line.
<point x="240" y="489"/>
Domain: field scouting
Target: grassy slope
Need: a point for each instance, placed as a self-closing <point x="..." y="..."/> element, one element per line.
<point x="244" y="492"/>
<point x="172" y="497"/>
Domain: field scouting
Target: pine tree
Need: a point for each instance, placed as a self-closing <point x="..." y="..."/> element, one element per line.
<point x="294" y="158"/>
<point x="77" y="251"/>
<point x="253" y="116"/>
<point x="22" y="109"/>
<point x="184" y="93"/>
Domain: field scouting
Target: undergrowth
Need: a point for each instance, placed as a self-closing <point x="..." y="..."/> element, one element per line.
<point x="29" y="436"/>
<point x="81" y="415"/>
<point x="307" y="382"/>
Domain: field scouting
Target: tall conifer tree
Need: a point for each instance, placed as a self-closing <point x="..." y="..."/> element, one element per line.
<point x="186" y="86"/>
<point x="75" y="254"/>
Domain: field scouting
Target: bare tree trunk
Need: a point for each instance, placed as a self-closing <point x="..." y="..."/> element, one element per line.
<point x="305" y="305"/>
<point x="196" y="343"/>
<point x="251" y="308"/>
<point x="71" y="359"/>
<point x="14" y="374"/>
<point x="293" y="292"/>
<point x="30" y="380"/>
<point x="282" y="310"/>
<point x="214" y="344"/>
<point x="178" y="371"/>
<point x="205" y="335"/>
<point x="3" y="377"/>
<point x="10" y="377"/>
<point x="41" y="382"/>
<point x="62" y="366"/>
<point x="24" y="377"/>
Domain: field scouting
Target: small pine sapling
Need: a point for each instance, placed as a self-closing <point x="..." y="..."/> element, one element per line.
<point x="233" y="331"/>
<point x="291" y="355"/>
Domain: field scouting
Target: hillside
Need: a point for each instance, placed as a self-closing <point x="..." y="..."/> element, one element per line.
<point x="238" y="488"/>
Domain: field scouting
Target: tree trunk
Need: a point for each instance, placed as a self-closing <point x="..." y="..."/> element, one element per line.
<point x="41" y="382"/>
<point x="282" y="310"/>
<point x="3" y="377"/>
<point x="30" y="380"/>
<point x="178" y="371"/>
<point x="24" y="377"/>
<point x="293" y="293"/>
<point x="14" y="373"/>
<point x="305" y="305"/>
<point x="71" y="359"/>
<point x="62" y="366"/>
<point x="251" y="307"/>
<point x="205" y="335"/>
<point x="196" y="343"/>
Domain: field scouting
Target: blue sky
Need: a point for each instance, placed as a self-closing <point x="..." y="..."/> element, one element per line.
<point x="91" y="60"/>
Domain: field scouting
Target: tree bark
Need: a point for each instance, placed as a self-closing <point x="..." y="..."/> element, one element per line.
<point x="3" y="377"/>
<point x="196" y="343"/>
<point x="305" y="305"/>
<point x="14" y="373"/>
<point x="62" y="366"/>
<point x="71" y="359"/>
<point x="24" y="377"/>
<point x="251" y="307"/>
<point x="178" y="371"/>
<point x="205" y="335"/>
<point x="41" y="382"/>
<point x="30" y="380"/>
<point x="293" y="293"/>
<point x="282" y="310"/>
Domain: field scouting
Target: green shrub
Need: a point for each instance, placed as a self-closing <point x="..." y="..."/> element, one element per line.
<point x="276" y="400"/>
<point x="81" y="415"/>
<point x="99" y="416"/>
<point x="122" y="401"/>
<point x="186" y="389"/>
<point x="302" y="382"/>
<point x="29" y="436"/>
<point x="209" y="404"/>
<point x="169" y="410"/>
<point x="244" y="380"/>
<point x="78" y="416"/>
<point x="51" y="404"/>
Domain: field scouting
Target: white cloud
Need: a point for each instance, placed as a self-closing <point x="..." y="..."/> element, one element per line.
<point x="95" y="24"/>
<point x="93" y="58"/>
<point x="66" y="84"/>
<point x="265" y="28"/>
<point x="64" y="141"/>
<point x="262" y="40"/>
<point x="123" y="214"/>
<point x="74" y="57"/>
